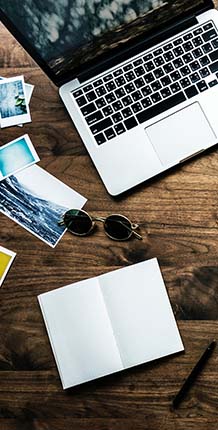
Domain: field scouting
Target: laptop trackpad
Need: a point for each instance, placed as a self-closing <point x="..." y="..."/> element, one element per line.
<point x="181" y="134"/>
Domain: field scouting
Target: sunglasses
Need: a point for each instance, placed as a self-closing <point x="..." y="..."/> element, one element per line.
<point x="116" y="226"/>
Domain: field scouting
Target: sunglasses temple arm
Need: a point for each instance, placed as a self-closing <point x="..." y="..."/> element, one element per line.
<point x="137" y="235"/>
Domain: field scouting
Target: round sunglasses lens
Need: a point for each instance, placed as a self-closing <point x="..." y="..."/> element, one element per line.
<point x="78" y="222"/>
<point x="118" y="227"/>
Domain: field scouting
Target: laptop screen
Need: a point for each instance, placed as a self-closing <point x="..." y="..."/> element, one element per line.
<point x="69" y="35"/>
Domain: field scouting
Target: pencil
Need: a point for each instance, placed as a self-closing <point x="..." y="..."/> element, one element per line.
<point x="193" y="375"/>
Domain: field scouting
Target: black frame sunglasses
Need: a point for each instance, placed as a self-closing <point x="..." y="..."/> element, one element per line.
<point x="116" y="226"/>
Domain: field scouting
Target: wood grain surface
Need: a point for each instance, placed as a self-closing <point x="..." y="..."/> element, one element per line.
<point x="179" y="216"/>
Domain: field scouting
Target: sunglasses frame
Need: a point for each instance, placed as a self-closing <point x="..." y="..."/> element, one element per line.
<point x="132" y="228"/>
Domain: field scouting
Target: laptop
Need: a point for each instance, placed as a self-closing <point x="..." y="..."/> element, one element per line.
<point x="138" y="78"/>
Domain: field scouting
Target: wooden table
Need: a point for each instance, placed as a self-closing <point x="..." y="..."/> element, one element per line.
<point x="180" y="215"/>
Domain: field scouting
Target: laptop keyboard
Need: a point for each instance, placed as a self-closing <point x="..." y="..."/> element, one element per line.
<point x="150" y="84"/>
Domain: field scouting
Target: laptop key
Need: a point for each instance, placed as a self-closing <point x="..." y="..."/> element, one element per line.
<point x="109" y="133"/>
<point x="136" y="107"/>
<point x="149" y="66"/>
<point x="178" y="51"/>
<point x="100" y="138"/>
<point x="158" y="73"/>
<point x="117" y="105"/>
<point x="185" y="70"/>
<point x="139" y="82"/>
<point x="149" y="78"/>
<point x="187" y="58"/>
<point x="156" y="97"/>
<point x="166" y="81"/>
<point x="108" y="78"/>
<point x="204" y="72"/>
<point x="130" y="123"/>
<point x="146" y="91"/>
<point x="198" y="31"/>
<point x="78" y="93"/>
<point x="160" y="107"/>
<point x="156" y="86"/>
<point x="129" y="87"/>
<point x="168" y="56"/>
<point x="148" y="57"/>
<point x="188" y="37"/>
<point x="197" y="52"/>
<point x="137" y="62"/>
<point x="88" y="88"/>
<point x="185" y="82"/>
<point x="195" y="65"/>
<point x="98" y="83"/>
<point x="102" y="125"/>
<point x="175" y="87"/>
<point x="208" y="26"/>
<point x="194" y="77"/>
<point x="136" y="96"/>
<point x="91" y="96"/>
<point x="120" y="81"/>
<point x="120" y="92"/>
<point x="207" y="48"/>
<point x="100" y="91"/>
<point x="110" y="98"/>
<point x="213" y="83"/>
<point x="204" y="61"/>
<point x="110" y="86"/>
<point x="126" y="112"/>
<point x="119" y="128"/>
<point x="81" y="101"/>
<point x="168" y="68"/>
<point x="168" y="47"/>
<point x="117" y="117"/>
<point x="202" y="86"/>
<point x="127" y="67"/>
<point x="175" y="76"/>
<point x="146" y="102"/>
<point x="118" y="72"/>
<point x="139" y="71"/>
<point x="158" y="61"/>
<point x="100" y="103"/>
<point x="188" y="46"/>
<point x="214" y="55"/>
<point x="165" y="92"/>
<point x="178" y="62"/>
<point x="209" y="35"/>
<point x="197" y="41"/>
<point x="108" y="110"/>
<point x="86" y="110"/>
<point x="214" y="67"/>
<point x="130" y="76"/>
<point x="215" y="43"/>
<point x="191" y="91"/>
<point x="178" y="41"/>
<point x="127" y="101"/>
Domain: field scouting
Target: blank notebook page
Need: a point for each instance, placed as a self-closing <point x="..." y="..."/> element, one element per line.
<point x="140" y="313"/>
<point x="80" y="332"/>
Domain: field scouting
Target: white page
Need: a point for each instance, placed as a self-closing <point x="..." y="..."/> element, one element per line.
<point x="80" y="332"/>
<point x="140" y="313"/>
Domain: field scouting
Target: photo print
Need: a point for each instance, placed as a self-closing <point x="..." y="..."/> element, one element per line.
<point x="14" y="108"/>
<point x="16" y="156"/>
<point x="36" y="200"/>
<point x="6" y="259"/>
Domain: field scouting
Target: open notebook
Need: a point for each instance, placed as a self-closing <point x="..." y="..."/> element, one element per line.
<point x="109" y="323"/>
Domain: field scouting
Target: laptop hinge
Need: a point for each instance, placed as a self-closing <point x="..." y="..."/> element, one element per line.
<point x="143" y="45"/>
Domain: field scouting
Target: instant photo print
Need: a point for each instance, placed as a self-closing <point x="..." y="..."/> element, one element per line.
<point x="16" y="156"/>
<point x="36" y="200"/>
<point x="14" y="108"/>
<point x="6" y="259"/>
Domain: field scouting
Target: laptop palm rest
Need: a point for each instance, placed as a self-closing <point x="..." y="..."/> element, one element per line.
<point x="181" y="134"/>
